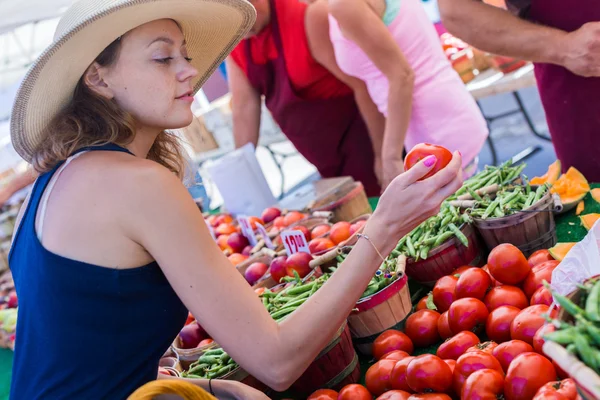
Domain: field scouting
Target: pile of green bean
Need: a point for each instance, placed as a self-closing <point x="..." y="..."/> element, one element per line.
<point x="211" y="365"/>
<point x="433" y="232"/>
<point x="583" y="337"/>
<point x="508" y="200"/>
<point x="502" y="175"/>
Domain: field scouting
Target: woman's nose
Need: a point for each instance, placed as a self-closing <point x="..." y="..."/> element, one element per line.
<point x="187" y="71"/>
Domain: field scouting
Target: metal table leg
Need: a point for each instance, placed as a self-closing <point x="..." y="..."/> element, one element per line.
<point x="274" y="154"/>
<point x="523" y="110"/>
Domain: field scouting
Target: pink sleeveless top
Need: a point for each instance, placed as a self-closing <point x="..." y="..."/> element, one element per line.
<point x="443" y="111"/>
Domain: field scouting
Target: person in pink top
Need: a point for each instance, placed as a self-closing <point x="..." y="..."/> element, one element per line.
<point x="393" y="47"/>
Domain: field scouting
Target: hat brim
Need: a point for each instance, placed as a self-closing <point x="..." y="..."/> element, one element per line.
<point x="212" y="28"/>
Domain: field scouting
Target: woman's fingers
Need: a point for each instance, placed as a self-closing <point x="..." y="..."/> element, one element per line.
<point x="447" y="174"/>
<point x="419" y="170"/>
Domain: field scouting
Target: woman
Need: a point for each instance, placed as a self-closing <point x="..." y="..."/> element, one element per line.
<point x="392" y="46"/>
<point x="110" y="250"/>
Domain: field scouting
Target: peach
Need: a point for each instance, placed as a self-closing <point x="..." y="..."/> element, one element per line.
<point x="237" y="242"/>
<point x="223" y="219"/>
<point x="205" y="342"/>
<point x="255" y="271"/>
<point x="222" y="242"/>
<point x="247" y="250"/>
<point x="293" y="216"/>
<point x="270" y="214"/>
<point x="225" y="229"/>
<point x="357" y="226"/>
<point x="319" y="230"/>
<point x="319" y="245"/>
<point x="304" y="230"/>
<point x="278" y="268"/>
<point x="237" y="258"/>
<point x="211" y="220"/>
<point x="279" y="222"/>
<point x="339" y="232"/>
<point x="255" y="220"/>
<point x="299" y="262"/>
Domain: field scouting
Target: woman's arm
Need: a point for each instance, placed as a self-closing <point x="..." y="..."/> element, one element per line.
<point x="360" y="24"/>
<point x="160" y="215"/>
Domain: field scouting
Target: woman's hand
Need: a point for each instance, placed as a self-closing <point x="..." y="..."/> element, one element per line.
<point x="391" y="168"/>
<point x="407" y="201"/>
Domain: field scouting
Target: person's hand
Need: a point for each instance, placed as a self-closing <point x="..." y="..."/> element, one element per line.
<point x="392" y="167"/>
<point x="407" y="201"/>
<point x="581" y="50"/>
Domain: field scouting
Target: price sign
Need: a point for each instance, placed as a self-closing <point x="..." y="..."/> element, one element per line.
<point x="263" y="232"/>
<point x="247" y="230"/>
<point x="294" y="242"/>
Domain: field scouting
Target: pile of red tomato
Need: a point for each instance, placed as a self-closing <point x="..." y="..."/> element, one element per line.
<point x="506" y="301"/>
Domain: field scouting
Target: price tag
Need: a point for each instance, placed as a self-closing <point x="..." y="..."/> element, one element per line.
<point x="263" y="232"/>
<point x="247" y="230"/>
<point x="294" y="242"/>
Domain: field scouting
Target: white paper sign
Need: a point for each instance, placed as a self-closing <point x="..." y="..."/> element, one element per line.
<point x="247" y="230"/>
<point x="294" y="242"/>
<point x="263" y="232"/>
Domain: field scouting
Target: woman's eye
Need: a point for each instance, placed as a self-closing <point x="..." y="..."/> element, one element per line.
<point x="188" y="59"/>
<point x="165" y="60"/>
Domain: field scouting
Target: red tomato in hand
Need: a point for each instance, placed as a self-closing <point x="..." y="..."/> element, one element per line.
<point x="506" y="352"/>
<point x="444" y="292"/>
<point x="395" y="355"/>
<point x="398" y="377"/>
<point x="457" y="345"/>
<point x="354" y="392"/>
<point x="443" y="326"/>
<point x="485" y="384"/>
<point x="377" y="378"/>
<point x="541" y="296"/>
<point x="526" y="375"/>
<point x="540" y="273"/>
<point x="467" y="314"/>
<point x="471" y="362"/>
<point x="424" y="150"/>
<point x="422" y="304"/>
<point x="564" y="388"/>
<point x="527" y="323"/>
<point x="323" y="394"/>
<point x="505" y="295"/>
<point x="474" y="282"/>
<point x="421" y="327"/>
<point x="508" y="265"/>
<point x="486" y="347"/>
<point x="391" y="340"/>
<point x="428" y="373"/>
<point x="539" y="257"/>
<point x="497" y="325"/>
<point x="394" y="395"/>
<point x="538" y="338"/>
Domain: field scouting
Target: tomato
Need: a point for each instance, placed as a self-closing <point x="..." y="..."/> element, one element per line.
<point x="508" y="265"/>
<point x="391" y="340"/>
<point x="398" y="377"/>
<point x="323" y="394"/>
<point x="471" y="362"/>
<point x="394" y="395"/>
<point x="354" y="392"/>
<point x="458" y="271"/>
<point x="539" y="257"/>
<point x="443" y="326"/>
<point x="430" y="396"/>
<point x="395" y="355"/>
<point x="457" y="345"/>
<point x="190" y="318"/>
<point x="451" y="364"/>
<point x="505" y="295"/>
<point x="422" y="304"/>
<point x="467" y="314"/>
<point x="546" y="395"/>
<point x="541" y="296"/>
<point x="421" y="328"/>
<point x="527" y="323"/>
<point x="540" y="273"/>
<point x="473" y="282"/>
<point x="565" y="388"/>
<point x="494" y="281"/>
<point x="485" y="384"/>
<point x="538" y="338"/>
<point x="497" y="325"/>
<point x="423" y="150"/>
<point x="444" y="292"/>
<point x="526" y="375"/>
<point x="486" y="347"/>
<point x="508" y="351"/>
<point x="428" y="373"/>
<point x="377" y="378"/>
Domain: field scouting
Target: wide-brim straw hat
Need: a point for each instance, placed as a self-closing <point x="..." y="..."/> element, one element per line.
<point x="212" y="28"/>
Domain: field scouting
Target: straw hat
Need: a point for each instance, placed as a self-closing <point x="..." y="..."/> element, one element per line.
<point x="212" y="29"/>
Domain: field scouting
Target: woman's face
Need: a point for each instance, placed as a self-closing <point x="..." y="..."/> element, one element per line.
<point x="152" y="77"/>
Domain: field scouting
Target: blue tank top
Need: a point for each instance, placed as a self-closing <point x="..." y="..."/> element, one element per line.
<point x="85" y="331"/>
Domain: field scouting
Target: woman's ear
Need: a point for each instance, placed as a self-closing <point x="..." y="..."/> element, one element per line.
<point x="94" y="79"/>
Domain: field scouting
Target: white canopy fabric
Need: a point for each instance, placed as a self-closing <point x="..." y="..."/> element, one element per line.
<point x="15" y="13"/>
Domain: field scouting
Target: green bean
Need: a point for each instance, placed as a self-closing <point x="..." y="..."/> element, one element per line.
<point x="590" y="328"/>
<point x="474" y="194"/>
<point x="539" y="193"/>
<point x="296" y="303"/>
<point x="592" y="305"/>
<point x="529" y="200"/>
<point x="498" y="212"/>
<point x="586" y="352"/>
<point x="225" y="358"/>
<point x="395" y="253"/>
<point x="371" y="289"/>
<point x="442" y="238"/>
<point x="214" y="352"/>
<point x="265" y="301"/>
<point x="566" y="304"/>
<point x="283" y="311"/>
<point x="231" y="361"/>
<point x="209" y="359"/>
<point x="424" y="252"/>
<point x="410" y="247"/>
<point x="490" y="209"/>
<point x="197" y="368"/>
<point x="300" y="289"/>
<point x="527" y="188"/>
<point x="463" y="239"/>
<point x="564" y="336"/>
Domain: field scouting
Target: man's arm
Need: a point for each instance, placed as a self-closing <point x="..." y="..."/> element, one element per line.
<point x="246" y="106"/>
<point x="498" y="31"/>
<point x="19" y="182"/>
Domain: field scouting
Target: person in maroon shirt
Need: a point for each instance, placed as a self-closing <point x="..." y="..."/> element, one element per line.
<point x="562" y="38"/>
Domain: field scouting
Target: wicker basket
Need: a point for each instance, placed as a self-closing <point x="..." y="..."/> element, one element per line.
<point x="347" y="203"/>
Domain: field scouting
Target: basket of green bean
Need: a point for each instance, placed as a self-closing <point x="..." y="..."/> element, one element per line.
<point x="522" y="215"/>
<point x="575" y="344"/>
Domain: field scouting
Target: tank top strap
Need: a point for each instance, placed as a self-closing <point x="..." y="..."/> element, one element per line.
<point x="392" y="8"/>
